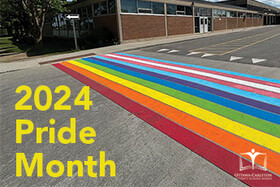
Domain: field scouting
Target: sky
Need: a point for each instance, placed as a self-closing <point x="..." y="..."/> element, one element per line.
<point x="275" y="3"/>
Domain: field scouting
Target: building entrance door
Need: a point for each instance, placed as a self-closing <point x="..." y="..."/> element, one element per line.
<point x="203" y="24"/>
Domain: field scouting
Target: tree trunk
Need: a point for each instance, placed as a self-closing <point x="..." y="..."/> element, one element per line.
<point x="36" y="19"/>
<point x="39" y="37"/>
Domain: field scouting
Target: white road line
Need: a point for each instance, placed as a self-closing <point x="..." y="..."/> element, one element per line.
<point x="193" y="53"/>
<point x="232" y="58"/>
<point x="206" y="55"/>
<point x="247" y="83"/>
<point x="161" y="50"/>
<point x="256" y="60"/>
<point x="173" y="51"/>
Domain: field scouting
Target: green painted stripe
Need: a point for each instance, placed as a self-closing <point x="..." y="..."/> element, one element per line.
<point x="262" y="125"/>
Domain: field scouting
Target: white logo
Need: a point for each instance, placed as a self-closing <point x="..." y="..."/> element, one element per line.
<point x="253" y="156"/>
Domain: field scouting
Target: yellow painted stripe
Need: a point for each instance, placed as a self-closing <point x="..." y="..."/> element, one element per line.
<point x="236" y="128"/>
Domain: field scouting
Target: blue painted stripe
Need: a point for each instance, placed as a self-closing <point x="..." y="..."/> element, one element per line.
<point x="236" y="91"/>
<point x="204" y="95"/>
<point x="208" y="68"/>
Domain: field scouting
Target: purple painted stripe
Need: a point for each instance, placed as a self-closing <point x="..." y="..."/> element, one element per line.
<point x="240" y="99"/>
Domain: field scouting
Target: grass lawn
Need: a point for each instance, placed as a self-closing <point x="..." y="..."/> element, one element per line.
<point x="7" y="46"/>
<point x="10" y="51"/>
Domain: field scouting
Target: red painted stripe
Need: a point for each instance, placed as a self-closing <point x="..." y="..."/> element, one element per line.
<point x="226" y="83"/>
<point x="210" y="71"/>
<point x="219" y="156"/>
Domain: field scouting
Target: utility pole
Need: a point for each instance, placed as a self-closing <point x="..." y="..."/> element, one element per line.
<point x="74" y="17"/>
<point x="74" y="32"/>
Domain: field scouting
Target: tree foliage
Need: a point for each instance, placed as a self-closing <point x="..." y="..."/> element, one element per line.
<point x="27" y="17"/>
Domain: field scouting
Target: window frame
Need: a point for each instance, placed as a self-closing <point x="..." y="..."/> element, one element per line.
<point x="219" y="13"/>
<point x="153" y="3"/>
<point x="179" y="12"/>
<point x="144" y="9"/>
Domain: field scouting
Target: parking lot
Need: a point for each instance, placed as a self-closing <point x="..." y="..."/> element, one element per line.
<point x="260" y="47"/>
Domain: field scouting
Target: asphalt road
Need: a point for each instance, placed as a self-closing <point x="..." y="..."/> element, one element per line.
<point x="143" y="155"/>
<point x="259" y="46"/>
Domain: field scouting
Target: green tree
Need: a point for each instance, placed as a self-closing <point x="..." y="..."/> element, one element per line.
<point x="36" y="12"/>
<point x="27" y="17"/>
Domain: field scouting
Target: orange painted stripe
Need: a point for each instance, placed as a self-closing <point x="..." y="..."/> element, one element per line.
<point x="219" y="136"/>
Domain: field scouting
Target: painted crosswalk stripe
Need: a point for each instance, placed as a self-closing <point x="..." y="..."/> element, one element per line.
<point x="192" y="73"/>
<point x="223" y="98"/>
<point x="269" y="88"/>
<point x="256" y="123"/>
<point x="241" y="75"/>
<point x="235" y="91"/>
<point x="216" y="114"/>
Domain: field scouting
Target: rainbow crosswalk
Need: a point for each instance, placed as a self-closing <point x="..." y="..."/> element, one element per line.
<point x="216" y="113"/>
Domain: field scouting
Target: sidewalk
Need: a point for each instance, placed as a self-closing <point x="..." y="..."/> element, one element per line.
<point x="129" y="45"/>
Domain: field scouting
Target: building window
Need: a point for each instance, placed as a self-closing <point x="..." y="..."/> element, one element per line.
<point x="133" y="6"/>
<point x="241" y="14"/>
<point x="96" y="9"/>
<point x="171" y="9"/>
<point x="223" y="13"/>
<point x="178" y="10"/>
<point x="100" y="8"/>
<point x="112" y="6"/>
<point x="231" y="14"/>
<point x="205" y="12"/>
<point x="255" y="15"/>
<point x="196" y="11"/>
<point x="128" y="6"/>
<point x="103" y="8"/>
<point x="249" y="15"/>
<point x="144" y="7"/>
<point x="202" y="11"/>
<point x="158" y="8"/>
<point x="219" y="13"/>
<point x="189" y="10"/>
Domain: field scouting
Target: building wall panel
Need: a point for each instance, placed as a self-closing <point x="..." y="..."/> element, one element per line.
<point x="256" y="22"/>
<point x="220" y="24"/>
<point x="142" y="26"/>
<point x="179" y="25"/>
<point x="241" y="22"/>
<point x="232" y="23"/>
<point x="249" y="22"/>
